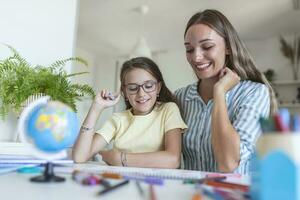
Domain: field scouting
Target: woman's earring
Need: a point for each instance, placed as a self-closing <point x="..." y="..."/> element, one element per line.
<point x="157" y="95"/>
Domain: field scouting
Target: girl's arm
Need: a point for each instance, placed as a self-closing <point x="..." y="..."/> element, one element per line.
<point x="88" y="143"/>
<point x="169" y="158"/>
<point x="225" y="139"/>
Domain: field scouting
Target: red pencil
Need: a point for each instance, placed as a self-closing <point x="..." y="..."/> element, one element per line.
<point x="152" y="193"/>
<point x="243" y="188"/>
<point x="279" y="124"/>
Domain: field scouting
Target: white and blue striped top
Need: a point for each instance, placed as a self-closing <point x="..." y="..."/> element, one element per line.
<point x="246" y="103"/>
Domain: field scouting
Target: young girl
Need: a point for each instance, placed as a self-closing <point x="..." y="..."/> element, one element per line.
<point x="147" y="134"/>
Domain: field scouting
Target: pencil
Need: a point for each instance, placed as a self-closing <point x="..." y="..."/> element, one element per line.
<point x="113" y="187"/>
<point x="152" y="192"/>
<point x="244" y="188"/>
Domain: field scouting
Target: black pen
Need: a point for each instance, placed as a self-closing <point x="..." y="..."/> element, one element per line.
<point x="140" y="189"/>
<point x="202" y="180"/>
<point x="105" y="190"/>
<point x="212" y="178"/>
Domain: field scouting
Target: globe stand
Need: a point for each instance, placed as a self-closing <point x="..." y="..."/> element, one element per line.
<point x="48" y="175"/>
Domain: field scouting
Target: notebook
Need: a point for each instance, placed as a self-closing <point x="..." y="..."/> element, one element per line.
<point x="134" y="171"/>
<point x="20" y="160"/>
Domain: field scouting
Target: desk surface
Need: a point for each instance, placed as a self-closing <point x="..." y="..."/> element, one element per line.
<point x="17" y="186"/>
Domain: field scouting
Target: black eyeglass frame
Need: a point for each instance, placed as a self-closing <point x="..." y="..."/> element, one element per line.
<point x="139" y="86"/>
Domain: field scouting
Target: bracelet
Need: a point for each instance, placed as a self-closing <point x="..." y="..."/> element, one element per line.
<point x="85" y="128"/>
<point x="123" y="159"/>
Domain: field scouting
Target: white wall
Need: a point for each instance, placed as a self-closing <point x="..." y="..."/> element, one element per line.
<point x="267" y="55"/>
<point x="42" y="31"/>
<point x="83" y="106"/>
<point x="175" y="69"/>
<point x="102" y="76"/>
<point x="105" y="78"/>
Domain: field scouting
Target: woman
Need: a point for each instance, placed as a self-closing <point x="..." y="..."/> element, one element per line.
<point x="222" y="110"/>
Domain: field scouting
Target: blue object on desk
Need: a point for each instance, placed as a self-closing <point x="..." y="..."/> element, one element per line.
<point x="30" y="170"/>
<point x="277" y="178"/>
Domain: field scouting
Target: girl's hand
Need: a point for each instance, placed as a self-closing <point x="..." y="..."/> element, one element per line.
<point x="227" y="80"/>
<point x="111" y="157"/>
<point x="105" y="99"/>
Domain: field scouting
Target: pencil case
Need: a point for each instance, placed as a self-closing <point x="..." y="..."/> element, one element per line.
<point x="276" y="172"/>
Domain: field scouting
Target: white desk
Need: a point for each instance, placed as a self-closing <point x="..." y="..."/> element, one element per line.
<point x="17" y="186"/>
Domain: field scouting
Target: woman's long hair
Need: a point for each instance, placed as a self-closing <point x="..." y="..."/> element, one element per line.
<point x="239" y="58"/>
<point x="165" y="95"/>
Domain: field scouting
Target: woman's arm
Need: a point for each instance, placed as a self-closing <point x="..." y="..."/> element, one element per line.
<point x="88" y="143"/>
<point x="225" y="139"/>
<point x="169" y="158"/>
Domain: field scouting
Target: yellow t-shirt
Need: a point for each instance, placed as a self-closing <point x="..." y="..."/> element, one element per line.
<point x="142" y="133"/>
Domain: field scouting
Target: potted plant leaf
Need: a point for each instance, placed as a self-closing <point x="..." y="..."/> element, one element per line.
<point x="291" y="52"/>
<point x="19" y="80"/>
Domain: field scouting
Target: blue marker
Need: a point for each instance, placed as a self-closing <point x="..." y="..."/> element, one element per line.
<point x="147" y="179"/>
<point x="111" y="96"/>
<point x="296" y="123"/>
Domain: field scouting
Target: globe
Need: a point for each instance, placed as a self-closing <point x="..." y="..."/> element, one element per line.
<point x="51" y="127"/>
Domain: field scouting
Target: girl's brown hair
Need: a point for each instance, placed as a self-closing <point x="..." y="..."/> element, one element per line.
<point x="165" y="95"/>
<point x="239" y="58"/>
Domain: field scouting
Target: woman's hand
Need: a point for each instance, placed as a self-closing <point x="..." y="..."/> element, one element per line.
<point x="111" y="157"/>
<point x="105" y="99"/>
<point x="227" y="80"/>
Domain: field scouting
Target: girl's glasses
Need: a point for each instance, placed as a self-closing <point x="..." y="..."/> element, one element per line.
<point x="148" y="86"/>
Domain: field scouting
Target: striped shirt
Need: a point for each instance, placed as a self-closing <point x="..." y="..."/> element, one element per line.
<point x="246" y="103"/>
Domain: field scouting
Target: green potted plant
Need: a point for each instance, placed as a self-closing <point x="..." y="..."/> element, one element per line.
<point x="270" y="74"/>
<point x="19" y="81"/>
<point x="291" y="52"/>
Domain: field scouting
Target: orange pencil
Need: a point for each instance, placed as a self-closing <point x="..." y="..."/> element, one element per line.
<point x="197" y="196"/>
<point x="111" y="175"/>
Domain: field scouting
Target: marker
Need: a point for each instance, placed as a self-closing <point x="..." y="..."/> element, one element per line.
<point x="280" y="126"/>
<point x="147" y="179"/>
<point x="91" y="180"/>
<point x="285" y="118"/>
<point x="111" y="96"/>
<point x="111" y="188"/>
<point x="234" y="175"/>
<point x="267" y="125"/>
<point x="203" y="180"/>
<point x="212" y="194"/>
<point x="243" y="188"/>
<point x="296" y="123"/>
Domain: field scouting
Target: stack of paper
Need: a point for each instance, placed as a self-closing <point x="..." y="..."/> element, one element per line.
<point x="15" y="155"/>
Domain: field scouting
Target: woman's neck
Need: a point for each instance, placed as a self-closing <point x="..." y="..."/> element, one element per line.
<point x="206" y="88"/>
